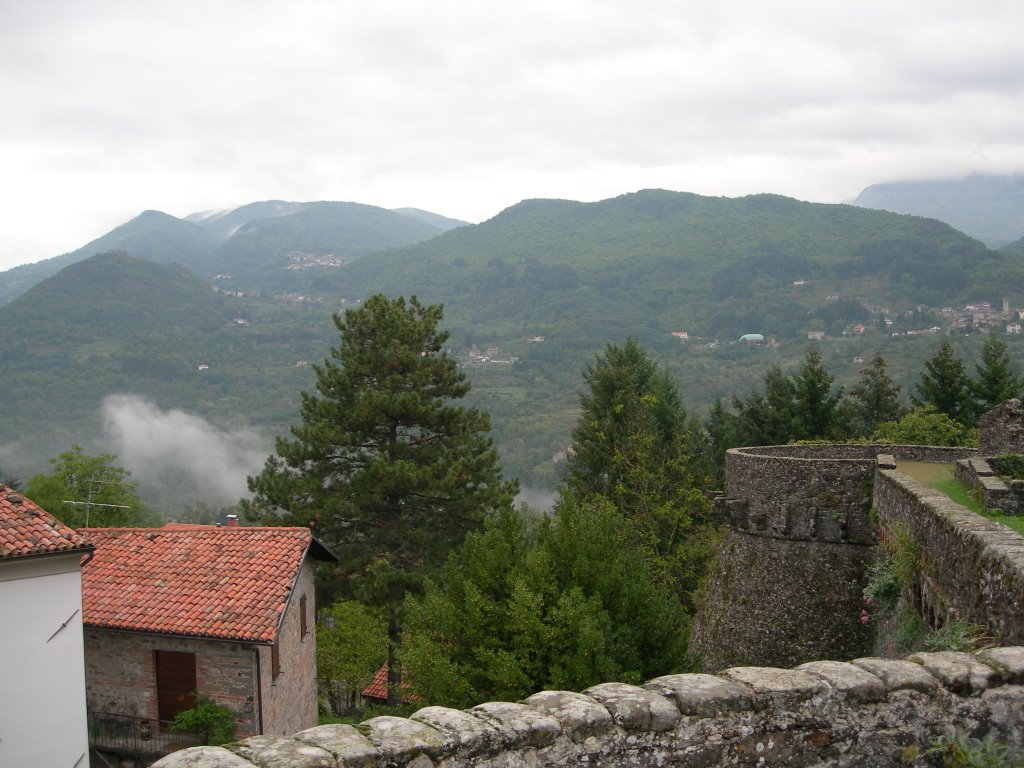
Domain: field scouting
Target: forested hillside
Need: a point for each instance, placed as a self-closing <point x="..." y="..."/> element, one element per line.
<point x="537" y="291"/>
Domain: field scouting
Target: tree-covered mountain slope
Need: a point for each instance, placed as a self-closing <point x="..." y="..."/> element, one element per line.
<point x="988" y="207"/>
<point x="151" y="235"/>
<point x="296" y="250"/>
<point x="676" y="261"/>
<point x="273" y="245"/>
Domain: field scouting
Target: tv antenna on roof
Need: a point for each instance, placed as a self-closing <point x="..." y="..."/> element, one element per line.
<point x="89" y="503"/>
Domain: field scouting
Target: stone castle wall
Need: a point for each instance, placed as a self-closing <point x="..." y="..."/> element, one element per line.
<point x="787" y="585"/>
<point x="872" y="712"/>
<point x="974" y="568"/>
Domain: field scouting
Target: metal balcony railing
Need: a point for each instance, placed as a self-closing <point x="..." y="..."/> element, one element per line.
<point x="130" y="735"/>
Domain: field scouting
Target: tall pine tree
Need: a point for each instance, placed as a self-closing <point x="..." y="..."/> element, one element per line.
<point x="944" y="385"/>
<point x="995" y="380"/>
<point x="814" y="402"/>
<point x="384" y="467"/>
<point x="875" y="398"/>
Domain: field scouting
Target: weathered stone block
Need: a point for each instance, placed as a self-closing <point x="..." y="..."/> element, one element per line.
<point x="202" y="757"/>
<point x="777" y="687"/>
<point x="959" y="672"/>
<point x="523" y="725"/>
<point x="401" y="740"/>
<point x="345" y="742"/>
<point x="1008" y="661"/>
<point x="579" y="715"/>
<point x="899" y="674"/>
<point x="703" y="695"/>
<point x="463" y="733"/>
<point x="634" y="708"/>
<point x="281" y="752"/>
<point x="855" y="683"/>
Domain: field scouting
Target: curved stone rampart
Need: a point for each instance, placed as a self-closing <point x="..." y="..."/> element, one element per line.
<point x="871" y="712"/>
<point x="787" y="585"/>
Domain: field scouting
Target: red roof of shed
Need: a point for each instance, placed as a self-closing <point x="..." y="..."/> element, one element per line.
<point x="27" y="530"/>
<point x="227" y="583"/>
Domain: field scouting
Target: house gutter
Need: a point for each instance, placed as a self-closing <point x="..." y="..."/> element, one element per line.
<point x="259" y="692"/>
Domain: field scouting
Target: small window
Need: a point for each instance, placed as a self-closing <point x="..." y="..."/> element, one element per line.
<point x="302" y="616"/>
<point x="275" y="659"/>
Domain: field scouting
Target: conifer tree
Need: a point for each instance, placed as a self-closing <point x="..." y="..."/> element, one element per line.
<point x="632" y="447"/>
<point x="768" y="418"/>
<point x="944" y="385"/>
<point x="385" y="469"/>
<point x="995" y="380"/>
<point x="814" y="402"/>
<point x="875" y="397"/>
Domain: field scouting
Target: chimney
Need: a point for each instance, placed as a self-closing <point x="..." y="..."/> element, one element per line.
<point x="232" y="521"/>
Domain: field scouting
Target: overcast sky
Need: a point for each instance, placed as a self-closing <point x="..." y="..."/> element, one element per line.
<point x="465" y="107"/>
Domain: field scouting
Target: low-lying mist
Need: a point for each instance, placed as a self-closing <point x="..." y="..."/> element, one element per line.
<point x="180" y="459"/>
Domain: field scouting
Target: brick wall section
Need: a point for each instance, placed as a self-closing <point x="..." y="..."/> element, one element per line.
<point x="120" y="673"/>
<point x="290" y="702"/>
<point x="975" y="565"/>
<point x="882" y="713"/>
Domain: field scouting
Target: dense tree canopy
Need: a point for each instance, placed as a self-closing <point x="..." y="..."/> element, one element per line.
<point x="85" y="490"/>
<point x="566" y="603"/>
<point x="635" y="448"/>
<point x="384" y="467"/>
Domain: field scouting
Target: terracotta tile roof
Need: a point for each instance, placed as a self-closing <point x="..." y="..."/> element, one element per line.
<point x="26" y="530"/>
<point x="378" y="688"/>
<point x="230" y="583"/>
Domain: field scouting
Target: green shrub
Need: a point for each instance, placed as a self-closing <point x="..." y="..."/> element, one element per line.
<point x="213" y="722"/>
<point x="1009" y="465"/>
<point x="897" y="561"/>
<point x="963" y="752"/>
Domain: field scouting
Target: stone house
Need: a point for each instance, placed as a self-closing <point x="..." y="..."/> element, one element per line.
<point x="42" y="707"/>
<point x="224" y="611"/>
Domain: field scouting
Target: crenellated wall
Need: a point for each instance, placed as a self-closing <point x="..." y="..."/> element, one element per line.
<point x="872" y="712"/>
<point x="787" y="585"/>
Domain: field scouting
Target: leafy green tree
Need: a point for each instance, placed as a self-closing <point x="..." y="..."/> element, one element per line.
<point x="925" y="426"/>
<point x="88" y="491"/>
<point x="387" y="470"/>
<point x="814" y="402"/>
<point x="944" y="385"/>
<point x="995" y="380"/>
<point x="875" y="398"/>
<point x="566" y="605"/>
<point x="632" y="447"/>
<point x="351" y="644"/>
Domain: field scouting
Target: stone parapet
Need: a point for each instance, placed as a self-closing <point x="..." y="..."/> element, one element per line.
<point x="974" y="566"/>
<point x="870" y="712"/>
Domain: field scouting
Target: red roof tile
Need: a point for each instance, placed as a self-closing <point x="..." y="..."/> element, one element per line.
<point x="378" y="688"/>
<point x="26" y="530"/>
<point x="230" y="583"/>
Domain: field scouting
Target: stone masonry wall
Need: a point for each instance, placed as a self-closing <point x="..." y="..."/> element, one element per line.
<point x="1001" y="429"/>
<point x="871" y="713"/>
<point x="120" y="673"/>
<point x="290" y="701"/>
<point x="974" y="566"/>
<point x="787" y="585"/>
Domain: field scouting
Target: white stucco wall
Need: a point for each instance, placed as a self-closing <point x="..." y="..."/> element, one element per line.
<point x="42" y="680"/>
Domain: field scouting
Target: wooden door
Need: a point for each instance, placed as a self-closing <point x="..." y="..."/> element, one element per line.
<point x="175" y="683"/>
